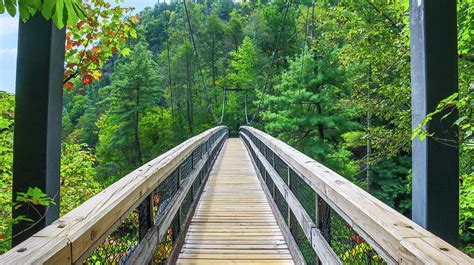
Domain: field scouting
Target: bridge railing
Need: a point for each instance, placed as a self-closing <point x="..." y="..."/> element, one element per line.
<point x="326" y="218"/>
<point x="136" y="219"/>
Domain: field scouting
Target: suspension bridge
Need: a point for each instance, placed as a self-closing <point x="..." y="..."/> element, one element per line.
<point x="252" y="199"/>
<point x="246" y="200"/>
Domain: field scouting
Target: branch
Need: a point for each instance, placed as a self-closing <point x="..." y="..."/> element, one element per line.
<point x="466" y="57"/>
<point x="392" y="22"/>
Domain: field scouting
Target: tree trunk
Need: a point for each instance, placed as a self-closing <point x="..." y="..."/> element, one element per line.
<point x="138" y="151"/>
<point x="320" y="125"/>
<point x="189" y="102"/>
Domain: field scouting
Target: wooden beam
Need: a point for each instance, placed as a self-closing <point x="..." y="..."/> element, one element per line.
<point x="320" y="245"/>
<point x="383" y="227"/>
<point x="87" y="225"/>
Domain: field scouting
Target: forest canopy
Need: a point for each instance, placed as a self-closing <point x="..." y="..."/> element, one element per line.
<point x="312" y="74"/>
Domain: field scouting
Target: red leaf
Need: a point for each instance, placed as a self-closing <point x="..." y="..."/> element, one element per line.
<point x="87" y="80"/>
<point x="69" y="45"/>
<point x="69" y="86"/>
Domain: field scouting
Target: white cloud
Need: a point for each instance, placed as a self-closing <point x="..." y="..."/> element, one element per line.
<point x="8" y="25"/>
<point x="8" y="52"/>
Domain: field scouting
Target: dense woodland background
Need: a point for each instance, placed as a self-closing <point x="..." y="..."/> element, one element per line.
<point x="330" y="79"/>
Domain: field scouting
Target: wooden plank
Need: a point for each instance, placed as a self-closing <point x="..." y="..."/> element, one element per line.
<point x="320" y="246"/>
<point x="225" y="261"/>
<point x="429" y="251"/>
<point x="293" y="247"/>
<point x="235" y="256"/>
<point x="233" y="220"/>
<point x="383" y="227"/>
<point x="87" y="224"/>
<point x="34" y="252"/>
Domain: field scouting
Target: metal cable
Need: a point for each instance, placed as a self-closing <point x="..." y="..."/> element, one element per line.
<point x="223" y="105"/>
<point x="209" y="105"/>
<point x="288" y="3"/>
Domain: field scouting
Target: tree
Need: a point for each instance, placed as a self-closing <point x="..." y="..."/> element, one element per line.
<point x="307" y="110"/>
<point x="78" y="182"/>
<point x="133" y="91"/>
<point x="213" y="45"/>
<point x="244" y="65"/>
<point x="59" y="11"/>
<point x="92" y="41"/>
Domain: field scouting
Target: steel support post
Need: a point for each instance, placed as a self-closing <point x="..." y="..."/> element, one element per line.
<point x="37" y="136"/>
<point x="434" y="74"/>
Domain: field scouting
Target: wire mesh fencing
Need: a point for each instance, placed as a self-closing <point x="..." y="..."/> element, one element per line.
<point x="347" y="244"/>
<point x="119" y="246"/>
<point x="302" y="241"/>
<point x="168" y="242"/>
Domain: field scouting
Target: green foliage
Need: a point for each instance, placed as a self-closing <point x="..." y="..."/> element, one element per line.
<point x="133" y="92"/>
<point x="59" y="11"/>
<point x="34" y="196"/>
<point x="136" y="87"/>
<point x="77" y="175"/>
<point x="6" y="162"/>
<point x="389" y="183"/>
<point x="306" y="109"/>
<point x="466" y="212"/>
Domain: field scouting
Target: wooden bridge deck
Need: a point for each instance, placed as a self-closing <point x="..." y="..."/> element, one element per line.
<point x="233" y="222"/>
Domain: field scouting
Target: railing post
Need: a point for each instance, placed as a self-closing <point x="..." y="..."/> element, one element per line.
<point x="323" y="218"/>
<point x="289" y="186"/>
<point x="179" y="176"/>
<point x="145" y="215"/>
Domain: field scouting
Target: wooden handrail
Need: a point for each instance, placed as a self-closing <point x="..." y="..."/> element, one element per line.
<point x="68" y="239"/>
<point x="392" y="235"/>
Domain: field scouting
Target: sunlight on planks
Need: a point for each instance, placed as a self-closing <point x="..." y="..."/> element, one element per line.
<point x="233" y="222"/>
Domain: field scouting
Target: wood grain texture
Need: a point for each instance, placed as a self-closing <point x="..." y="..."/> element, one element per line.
<point x="323" y="250"/>
<point x="389" y="233"/>
<point x="87" y="225"/>
<point x="233" y="222"/>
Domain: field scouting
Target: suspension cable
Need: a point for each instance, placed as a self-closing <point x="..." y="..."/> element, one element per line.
<point x="245" y="109"/>
<point x="302" y="78"/>
<point x="196" y="54"/>
<point x="282" y="26"/>
<point x="224" y="95"/>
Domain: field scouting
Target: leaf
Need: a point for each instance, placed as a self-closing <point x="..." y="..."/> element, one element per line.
<point x="47" y="10"/>
<point x="125" y="51"/>
<point x="69" y="86"/>
<point x="133" y="33"/>
<point x="135" y="19"/>
<point x="4" y="123"/>
<point x="11" y="7"/>
<point x="58" y="17"/>
<point x="72" y="17"/>
<point x="87" y="80"/>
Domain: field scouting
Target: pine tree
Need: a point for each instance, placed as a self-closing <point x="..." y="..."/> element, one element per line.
<point x="307" y="109"/>
<point x="133" y="91"/>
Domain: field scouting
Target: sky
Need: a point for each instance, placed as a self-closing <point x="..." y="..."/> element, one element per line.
<point x="9" y="40"/>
